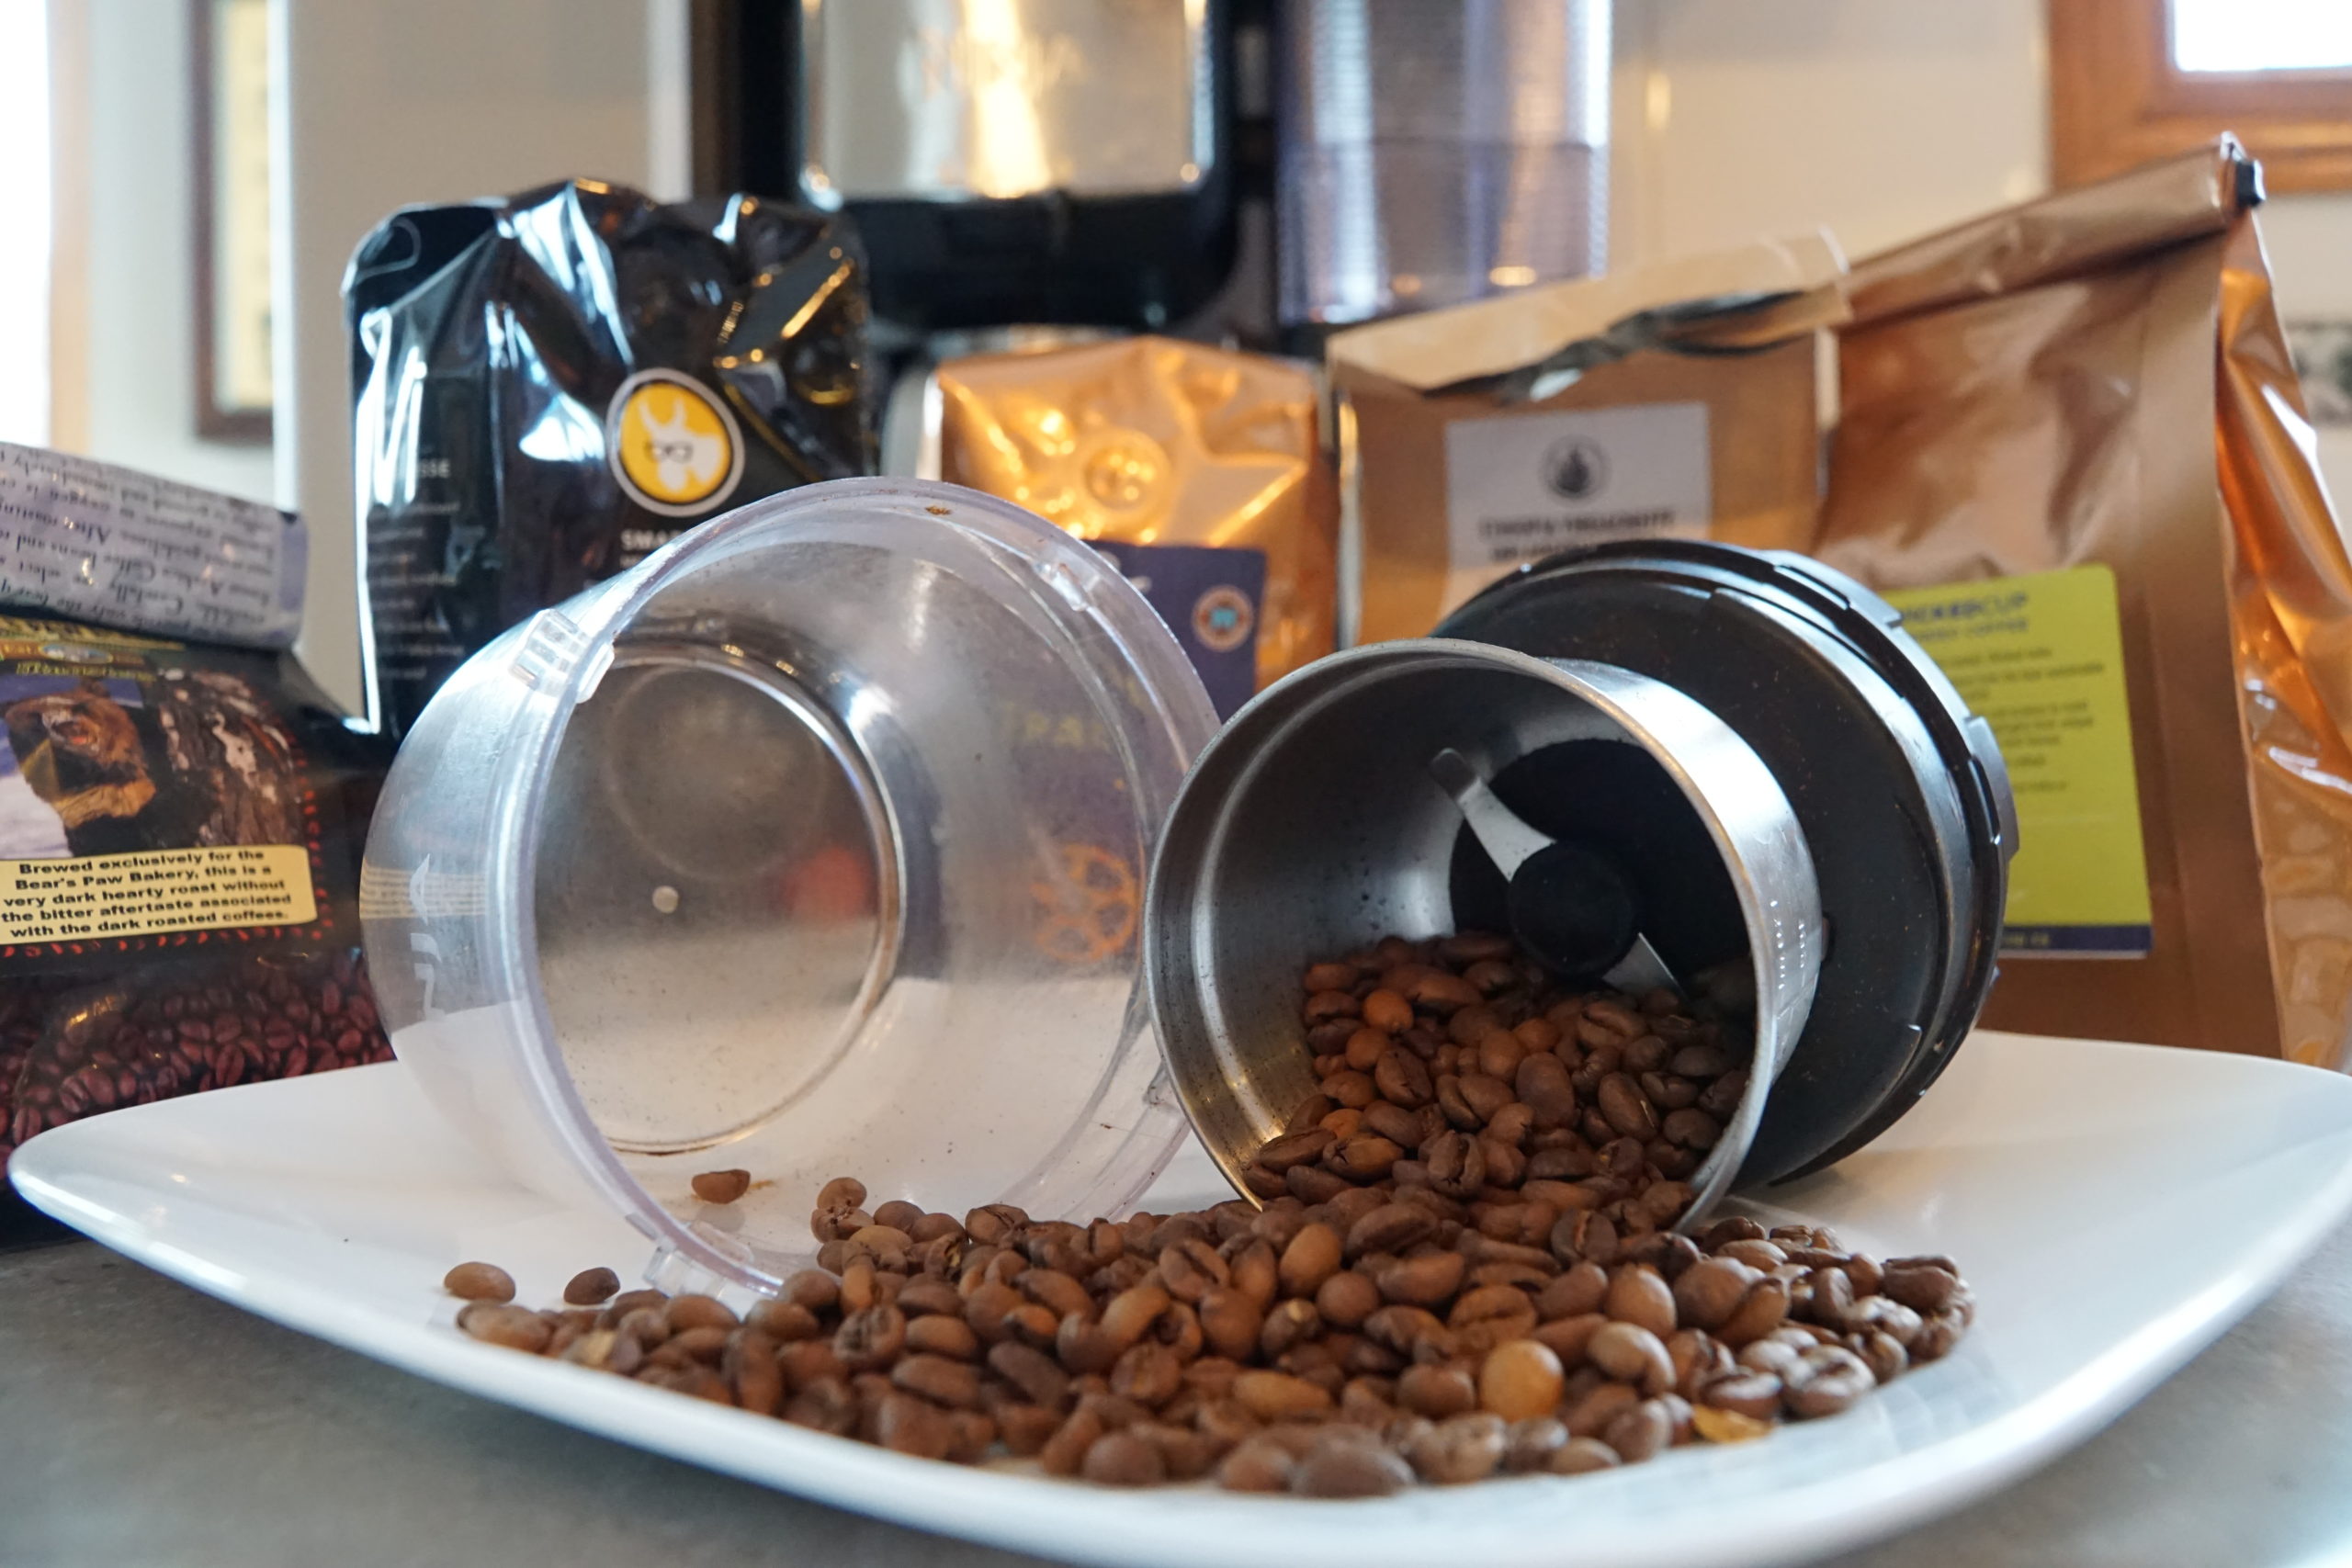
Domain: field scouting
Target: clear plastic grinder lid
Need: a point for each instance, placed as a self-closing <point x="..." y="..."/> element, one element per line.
<point x="811" y="846"/>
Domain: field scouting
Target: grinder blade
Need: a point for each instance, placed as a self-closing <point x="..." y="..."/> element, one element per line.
<point x="1569" y="905"/>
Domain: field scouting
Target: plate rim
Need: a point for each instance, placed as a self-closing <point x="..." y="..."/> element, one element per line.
<point x="1084" y="1524"/>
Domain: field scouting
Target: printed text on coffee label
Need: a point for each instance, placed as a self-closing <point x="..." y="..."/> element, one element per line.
<point x="2041" y="657"/>
<point x="1521" y="487"/>
<point x="92" y="541"/>
<point x="156" y="891"/>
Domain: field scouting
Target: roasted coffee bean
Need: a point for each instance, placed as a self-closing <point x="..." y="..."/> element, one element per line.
<point x="1519" y="1380"/>
<point x="1458" y="1164"/>
<point x="1457" y="1450"/>
<point x="1882" y="1352"/>
<point x="868" y="1340"/>
<point x="608" y="1351"/>
<point x="1721" y="1098"/>
<point x="1385" y="1011"/>
<point x="1925" y="1288"/>
<point x="1580" y="1289"/>
<point x="1323" y="1007"/>
<point x="478" y="1282"/>
<point x="1230" y="1322"/>
<point x="1394" y="1122"/>
<point x="1691" y="1128"/>
<point x="1753" y="1393"/>
<point x="1313" y="1256"/>
<point x="1062" y="1453"/>
<point x="938" y="1379"/>
<point x="1626" y="1109"/>
<point x="591" y="1287"/>
<point x="1437" y="1390"/>
<point x="723" y="1186"/>
<point x="938" y="1334"/>
<point x="1035" y="1373"/>
<point x="514" y="1328"/>
<point x="1428" y="1281"/>
<point x="1278" y="1396"/>
<point x="1364" y="1048"/>
<point x="1763" y="1310"/>
<point x="1123" y="1459"/>
<point x="1402" y="1078"/>
<point x="1256" y="1464"/>
<point x="1329" y="976"/>
<point x="1585" y="1236"/>
<point x="1567" y="1338"/>
<point x="1641" y="1432"/>
<point x="1309" y="1115"/>
<point x="1440" y="993"/>
<point x="685" y="1312"/>
<point x="1290" y="1324"/>
<point x="1632" y="1354"/>
<point x="1294" y="1149"/>
<point x="1345" y="1300"/>
<point x="1582" y="1456"/>
<point x="1709" y="1291"/>
<point x="1349" y="1466"/>
<point x="1825" y="1381"/>
<point x="1637" y="1295"/>
<point x="1366" y="1156"/>
<point x="1312" y="1184"/>
<point x="1147" y="1373"/>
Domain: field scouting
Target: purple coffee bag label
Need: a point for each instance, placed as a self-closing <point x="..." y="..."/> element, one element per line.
<point x="1210" y="599"/>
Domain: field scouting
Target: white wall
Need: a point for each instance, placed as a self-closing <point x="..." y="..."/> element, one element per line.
<point x="390" y="102"/>
<point x="1881" y="119"/>
<point x="123" y="319"/>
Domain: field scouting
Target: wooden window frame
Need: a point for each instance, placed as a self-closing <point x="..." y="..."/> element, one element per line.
<point x="2116" y="101"/>
<point x="215" y="420"/>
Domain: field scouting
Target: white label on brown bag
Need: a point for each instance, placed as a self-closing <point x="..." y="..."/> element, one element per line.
<point x="1520" y="487"/>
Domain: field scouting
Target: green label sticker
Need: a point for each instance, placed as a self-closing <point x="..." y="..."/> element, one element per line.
<point x="2041" y="658"/>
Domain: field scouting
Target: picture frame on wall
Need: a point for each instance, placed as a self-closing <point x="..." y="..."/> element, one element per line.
<point x="229" y="49"/>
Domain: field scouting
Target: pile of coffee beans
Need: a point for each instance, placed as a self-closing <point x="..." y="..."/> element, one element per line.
<point x="178" y="1027"/>
<point x="1462" y="1269"/>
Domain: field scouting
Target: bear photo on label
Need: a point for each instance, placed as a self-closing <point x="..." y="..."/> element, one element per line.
<point x="196" y="759"/>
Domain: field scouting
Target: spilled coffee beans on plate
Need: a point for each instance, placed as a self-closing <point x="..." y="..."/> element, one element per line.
<point x="1461" y="1269"/>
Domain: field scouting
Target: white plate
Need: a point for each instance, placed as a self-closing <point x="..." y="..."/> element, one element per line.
<point x="2116" y="1208"/>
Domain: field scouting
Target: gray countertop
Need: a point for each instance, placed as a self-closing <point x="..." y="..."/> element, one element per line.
<point x="143" y="1422"/>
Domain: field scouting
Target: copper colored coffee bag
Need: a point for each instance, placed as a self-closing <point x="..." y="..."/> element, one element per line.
<point x="2097" y="380"/>
<point x="1198" y="470"/>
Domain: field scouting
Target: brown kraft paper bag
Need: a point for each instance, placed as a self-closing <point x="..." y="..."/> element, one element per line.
<point x="1670" y="400"/>
<point x="2099" y="377"/>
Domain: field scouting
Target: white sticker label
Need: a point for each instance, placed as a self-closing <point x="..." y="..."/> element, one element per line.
<point x="92" y="541"/>
<point x="1518" y="489"/>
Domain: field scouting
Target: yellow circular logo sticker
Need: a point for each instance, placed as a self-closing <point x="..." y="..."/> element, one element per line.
<point x="674" y="448"/>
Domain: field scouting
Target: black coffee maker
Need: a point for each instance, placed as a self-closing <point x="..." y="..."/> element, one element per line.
<point x="1036" y="161"/>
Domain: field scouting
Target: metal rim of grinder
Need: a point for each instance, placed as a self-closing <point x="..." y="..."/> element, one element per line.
<point x="1901" y="790"/>
<point x="1313" y="825"/>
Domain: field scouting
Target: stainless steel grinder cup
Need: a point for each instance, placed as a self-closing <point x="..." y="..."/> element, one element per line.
<point x="1343" y="803"/>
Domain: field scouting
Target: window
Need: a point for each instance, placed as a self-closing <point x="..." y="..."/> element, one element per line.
<point x="23" y="257"/>
<point x="2133" y="80"/>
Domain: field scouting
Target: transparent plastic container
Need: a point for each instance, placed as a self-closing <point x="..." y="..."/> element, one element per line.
<point x="814" y="845"/>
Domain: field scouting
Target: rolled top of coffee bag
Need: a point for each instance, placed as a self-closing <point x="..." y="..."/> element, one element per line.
<point x="116" y="548"/>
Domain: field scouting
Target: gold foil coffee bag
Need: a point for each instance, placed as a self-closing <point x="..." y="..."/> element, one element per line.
<point x="2072" y="448"/>
<point x="1199" y="470"/>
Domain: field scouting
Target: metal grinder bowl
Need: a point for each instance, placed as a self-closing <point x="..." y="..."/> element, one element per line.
<point x="1312" y="826"/>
